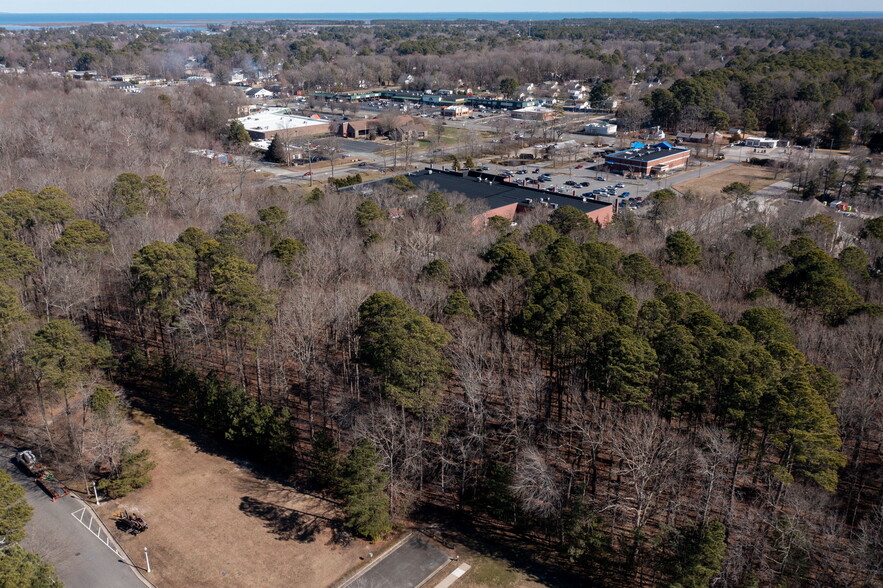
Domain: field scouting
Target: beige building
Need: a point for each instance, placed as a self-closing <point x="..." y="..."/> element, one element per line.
<point x="267" y="124"/>
<point x="534" y="113"/>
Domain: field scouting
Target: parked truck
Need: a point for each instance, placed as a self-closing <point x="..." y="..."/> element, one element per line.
<point x="42" y="476"/>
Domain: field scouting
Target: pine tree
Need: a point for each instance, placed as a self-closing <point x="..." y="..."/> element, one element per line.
<point x="236" y="134"/>
<point x="15" y="512"/>
<point x="458" y="305"/>
<point x="363" y="487"/>
<point x="276" y="152"/>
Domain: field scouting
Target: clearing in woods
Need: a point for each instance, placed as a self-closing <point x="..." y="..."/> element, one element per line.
<point x="213" y="523"/>
<point x="710" y="185"/>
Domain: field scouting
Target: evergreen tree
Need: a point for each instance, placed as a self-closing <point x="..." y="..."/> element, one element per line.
<point x="80" y="238"/>
<point x="128" y="194"/>
<point x="326" y="460"/>
<point x="15" y="512"/>
<point x="133" y="473"/>
<point x="363" y="487"/>
<point x="458" y="304"/>
<point x="237" y="135"/>
<point x="682" y="250"/>
<point x="22" y="569"/>
<point x="507" y="258"/>
<point x="696" y="555"/>
<point x="367" y="212"/>
<point x="163" y="274"/>
<point x="287" y="250"/>
<point x="404" y="348"/>
<point x="437" y="270"/>
<point x="277" y="153"/>
<point x="568" y="219"/>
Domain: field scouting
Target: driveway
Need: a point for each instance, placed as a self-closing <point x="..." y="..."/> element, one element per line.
<point x="407" y="566"/>
<point x="80" y="559"/>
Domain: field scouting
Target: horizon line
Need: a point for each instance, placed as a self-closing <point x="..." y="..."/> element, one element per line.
<point x="491" y="12"/>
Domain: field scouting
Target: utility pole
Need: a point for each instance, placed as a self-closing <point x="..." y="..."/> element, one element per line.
<point x="147" y="557"/>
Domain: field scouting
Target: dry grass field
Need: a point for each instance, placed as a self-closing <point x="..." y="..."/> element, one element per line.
<point x="213" y="523"/>
<point x="711" y="184"/>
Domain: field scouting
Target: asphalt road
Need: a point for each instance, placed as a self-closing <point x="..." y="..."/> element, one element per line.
<point x="406" y="567"/>
<point x="80" y="559"/>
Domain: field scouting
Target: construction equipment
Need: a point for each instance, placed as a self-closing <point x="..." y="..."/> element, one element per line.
<point x="129" y="522"/>
<point x="42" y="476"/>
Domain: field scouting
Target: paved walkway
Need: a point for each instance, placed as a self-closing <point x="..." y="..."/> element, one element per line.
<point x="454" y="576"/>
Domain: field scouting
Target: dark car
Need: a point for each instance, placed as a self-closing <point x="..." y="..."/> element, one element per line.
<point x="570" y="183"/>
<point x="600" y="179"/>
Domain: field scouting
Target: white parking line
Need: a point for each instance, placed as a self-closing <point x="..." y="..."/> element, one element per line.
<point x="87" y="520"/>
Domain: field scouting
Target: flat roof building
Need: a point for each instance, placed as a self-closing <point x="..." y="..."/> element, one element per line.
<point x="267" y="124"/>
<point x="762" y="142"/>
<point x="534" y="113"/>
<point x="648" y="160"/>
<point x="600" y="129"/>
<point x="501" y="197"/>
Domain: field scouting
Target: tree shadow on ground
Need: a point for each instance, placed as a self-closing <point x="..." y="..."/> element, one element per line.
<point x="484" y="536"/>
<point x="287" y="524"/>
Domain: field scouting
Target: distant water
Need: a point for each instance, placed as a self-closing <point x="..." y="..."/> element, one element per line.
<point x="200" y="20"/>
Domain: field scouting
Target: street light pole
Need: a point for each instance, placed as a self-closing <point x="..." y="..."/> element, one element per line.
<point x="147" y="557"/>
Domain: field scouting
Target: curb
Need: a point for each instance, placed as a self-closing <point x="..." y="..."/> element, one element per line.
<point x="135" y="569"/>
<point x="375" y="561"/>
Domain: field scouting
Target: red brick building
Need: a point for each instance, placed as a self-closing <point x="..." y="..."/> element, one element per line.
<point x="648" y="160"/>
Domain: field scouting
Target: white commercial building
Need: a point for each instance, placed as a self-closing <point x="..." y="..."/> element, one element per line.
<point x="267" y="123"/>
<point x="601" y="129"/>
<point x="761" y="142"/>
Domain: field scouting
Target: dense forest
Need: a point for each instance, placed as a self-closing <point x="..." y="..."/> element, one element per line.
<point x="660" y="401"/>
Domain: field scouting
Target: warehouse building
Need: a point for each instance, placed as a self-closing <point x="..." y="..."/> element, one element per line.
<point x="648" y="160"/>
<point x="267" y="124"/>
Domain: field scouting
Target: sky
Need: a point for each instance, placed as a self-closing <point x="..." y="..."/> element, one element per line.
<point x="236" y="6"/>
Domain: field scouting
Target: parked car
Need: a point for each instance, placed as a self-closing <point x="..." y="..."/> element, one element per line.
<point x="625" y="194"/>
<point x="579" y="166"/>
<point x="570" y="183"/>
<point x="600" y="179"/>
<point x="620" y="185"/>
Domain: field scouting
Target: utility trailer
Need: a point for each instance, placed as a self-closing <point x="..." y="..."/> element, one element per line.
<point x="42" y="476"/>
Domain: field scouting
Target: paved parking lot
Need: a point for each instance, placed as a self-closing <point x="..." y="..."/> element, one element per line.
<point x="407" y="566"/>
<point x="582" y="175"/>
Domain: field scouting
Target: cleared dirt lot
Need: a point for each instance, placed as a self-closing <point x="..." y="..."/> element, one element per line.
<point x="711" y="184"/>
<point x="213" y="523"/>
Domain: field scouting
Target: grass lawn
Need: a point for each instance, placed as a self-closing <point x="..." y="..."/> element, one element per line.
<point x="756" y="177"/>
